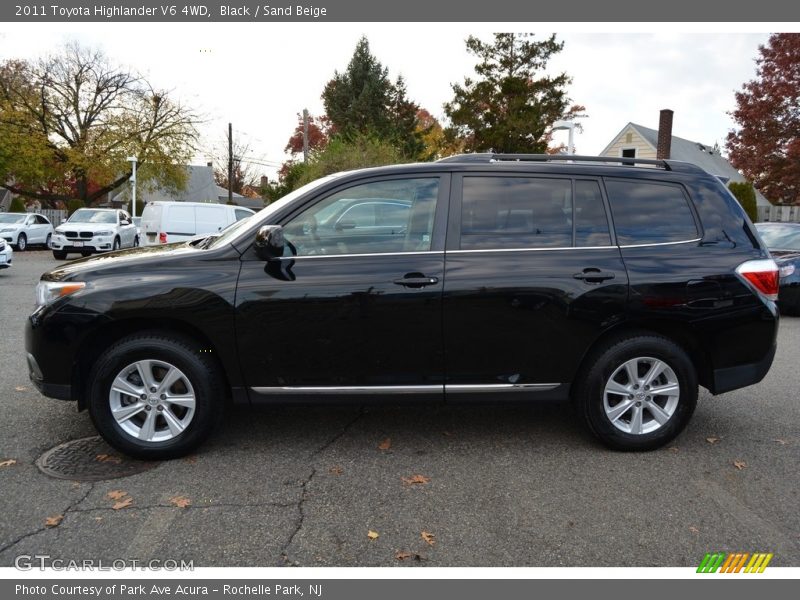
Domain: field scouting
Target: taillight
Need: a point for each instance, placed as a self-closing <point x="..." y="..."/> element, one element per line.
<point x="162" y="238"/>
<point x="762" y="275"/>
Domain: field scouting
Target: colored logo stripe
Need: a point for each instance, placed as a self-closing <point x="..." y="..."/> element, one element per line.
<point x="734" y="562"/>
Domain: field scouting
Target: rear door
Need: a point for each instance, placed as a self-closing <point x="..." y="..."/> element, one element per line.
<point x="211" y="219"/>
<point x="532" y="278"/>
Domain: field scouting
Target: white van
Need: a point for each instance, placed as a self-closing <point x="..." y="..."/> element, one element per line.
<point x="166" y="222"/>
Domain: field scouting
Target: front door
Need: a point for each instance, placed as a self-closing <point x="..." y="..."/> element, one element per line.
<point x="355" y="304"/>
<point x="532" y="279"/>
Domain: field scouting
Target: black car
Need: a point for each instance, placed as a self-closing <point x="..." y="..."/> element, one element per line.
<point x="513" y="277"/>
<point x="783" y="242"/>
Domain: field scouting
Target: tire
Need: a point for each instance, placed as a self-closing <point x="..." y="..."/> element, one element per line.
<point x="22" y="242"/>
<point x="197" y="377"/>
<point x="608" y="401"/>
<point x="115" y="246"/>
<point x="49" y="241"/>
<point x="86" y="253"/>
<point x="59" y="254"/>
<point x="136" y="242"/>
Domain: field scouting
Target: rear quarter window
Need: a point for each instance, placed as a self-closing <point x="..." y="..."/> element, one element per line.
<point x="650" y="212"/>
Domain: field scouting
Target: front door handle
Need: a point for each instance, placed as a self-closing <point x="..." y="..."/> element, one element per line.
<point x="416" y="280"/>
<point x="592" y="275"/>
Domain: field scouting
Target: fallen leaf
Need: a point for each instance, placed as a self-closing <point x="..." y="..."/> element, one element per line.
<point x="416" y="479"/>
<point x="403" y="555"/>
<point x="740" y="464"/>
<point x="447" y="433"/>
<point x="694" y="529"/>
<point x="385" y="444"/>
<point x="373" y="535"/>
<point x="190" y="459"/>
<point x="123" y="503"/>
<point x="673" y="448"/>
<point x="21" y="388"/>
<point x="98" y="518"/>
<point x="116" y="495"/>
<point x="7" y="462"/>
<point x="428" y="537"/>
<point x="336" y="470"/>
<point x="712" y="440"/>
<point x="53" y="521"/>
<point x="108" y="458"/>
<point x="780" y="441"/>
<point x="180" y="501"/>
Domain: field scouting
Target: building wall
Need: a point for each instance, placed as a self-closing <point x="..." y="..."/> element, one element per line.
<point x="630" y="139"/>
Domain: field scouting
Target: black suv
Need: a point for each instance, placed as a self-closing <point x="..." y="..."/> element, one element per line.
<point x="511" y="277"/>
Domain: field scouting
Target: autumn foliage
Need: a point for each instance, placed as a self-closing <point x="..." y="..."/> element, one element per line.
<point x="766" y="145"/>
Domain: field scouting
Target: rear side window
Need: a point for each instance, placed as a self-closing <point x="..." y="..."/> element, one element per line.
<point x="650" y="213"/>
<point x="591" y="222"/>
<point x="516" y="212"/>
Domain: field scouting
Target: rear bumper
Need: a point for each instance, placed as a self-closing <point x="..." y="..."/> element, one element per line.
<point x="733" y="378"/>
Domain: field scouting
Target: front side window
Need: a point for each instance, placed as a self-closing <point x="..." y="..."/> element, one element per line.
<point x="378" y="217"/>
<point x="650" y="213"/>
<point x="516" y="212"/>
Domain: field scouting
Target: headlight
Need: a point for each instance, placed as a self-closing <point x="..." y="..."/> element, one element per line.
<point x="787" y="270"/>
<point x="50" y="291"/>
<point x="6" y="230"/>
<point x="103" y="232"/>
<point x="59" y="231"/>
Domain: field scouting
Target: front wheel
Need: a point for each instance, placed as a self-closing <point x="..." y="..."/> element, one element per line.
<point x="116" y="244"/>
<point x="22" y="242"/>
<point x="154" y="396"/>
<point x="639" y="392"/>
<point x="59" y="254"/>
<point x="49" y="241"/>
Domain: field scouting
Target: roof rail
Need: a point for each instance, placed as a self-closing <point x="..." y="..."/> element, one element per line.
<point x="489" y="157"/>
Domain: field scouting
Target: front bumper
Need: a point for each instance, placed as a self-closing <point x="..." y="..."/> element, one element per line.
<point x="95" y="244"/>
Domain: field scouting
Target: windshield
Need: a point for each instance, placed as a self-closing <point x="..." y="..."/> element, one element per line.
<point x="88" y="215"/>
<point x="230" y="233"/>
<point x="7" y="218"/>
<point x="780" y="237"/>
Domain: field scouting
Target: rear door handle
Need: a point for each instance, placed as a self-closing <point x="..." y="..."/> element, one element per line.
<point x="592" y="275"/>
<point x="416" y="280"/>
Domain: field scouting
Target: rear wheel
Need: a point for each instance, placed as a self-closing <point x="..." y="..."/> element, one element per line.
<point x="154" y="396"/>
<point x="639" y="392"/>
<point x="22" y="242"/>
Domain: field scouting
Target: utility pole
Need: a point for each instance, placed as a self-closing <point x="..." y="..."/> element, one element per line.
<point x="305" y="135"/>
<point x="230" y="163"/>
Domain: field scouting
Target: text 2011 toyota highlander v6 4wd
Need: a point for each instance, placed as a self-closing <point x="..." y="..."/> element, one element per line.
<point x="480" y="276"/>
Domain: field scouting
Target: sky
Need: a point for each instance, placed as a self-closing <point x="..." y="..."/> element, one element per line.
<point x="259" y="76"/>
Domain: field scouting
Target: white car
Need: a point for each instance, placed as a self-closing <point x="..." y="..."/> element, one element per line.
<point x="91" y="230"/>
<point x="6" y="254"/>
<point x="22" y="229"/>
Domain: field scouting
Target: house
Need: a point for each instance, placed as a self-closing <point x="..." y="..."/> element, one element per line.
<point x="637" y="141"/>
<point x="200" y="187"/>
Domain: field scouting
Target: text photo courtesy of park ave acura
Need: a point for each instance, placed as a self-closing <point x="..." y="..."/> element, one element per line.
<point x="364" y="302"/>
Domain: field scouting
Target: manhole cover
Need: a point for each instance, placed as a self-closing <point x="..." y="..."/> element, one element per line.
<point x="89" y="459"/>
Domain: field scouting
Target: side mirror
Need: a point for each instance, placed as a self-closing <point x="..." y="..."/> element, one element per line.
<point x="270" y="242"/>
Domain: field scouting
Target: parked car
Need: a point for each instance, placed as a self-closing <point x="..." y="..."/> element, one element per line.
<point x="515" y="277"/>
<point x="22" y="229"/>
<point x="91" y="230"/>
<point x="137" y="221"/>
<point x="167" y="222"/>
<point x="783" y="241"/>
<point x="6" y="254"/>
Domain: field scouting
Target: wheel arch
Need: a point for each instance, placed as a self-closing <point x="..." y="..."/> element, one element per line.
<point x="678" y="332"/>
<point x="108" y="334"/>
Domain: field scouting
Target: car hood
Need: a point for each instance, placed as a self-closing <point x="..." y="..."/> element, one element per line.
<point x="12" y="226"/>
<point x="85" y="226"/>
<point x="785" y="255"/>
<point x="112" y="261"/>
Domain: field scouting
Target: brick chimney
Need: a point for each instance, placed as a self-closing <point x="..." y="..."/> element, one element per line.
<point x="664" y="134"/>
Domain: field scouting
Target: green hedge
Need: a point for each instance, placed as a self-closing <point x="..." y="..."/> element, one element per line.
<point x="74" y="205"/>
<point x="17" y="205"/>
<point x="746" y="195"/>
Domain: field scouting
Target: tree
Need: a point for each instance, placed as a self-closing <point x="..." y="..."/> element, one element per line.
<point x="510" y="105"/>
<point x="245" y="175"/>
<point x="745" y="193"/>
<point x="766" y="146"/>
<point x="17" y="206"/>
<point x="68" y="123"/>
<point x="319" y="132"/>
<point x="363" y="101"/>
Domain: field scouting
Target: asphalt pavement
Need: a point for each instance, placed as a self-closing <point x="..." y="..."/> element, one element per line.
<point x="440" y="486"/>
